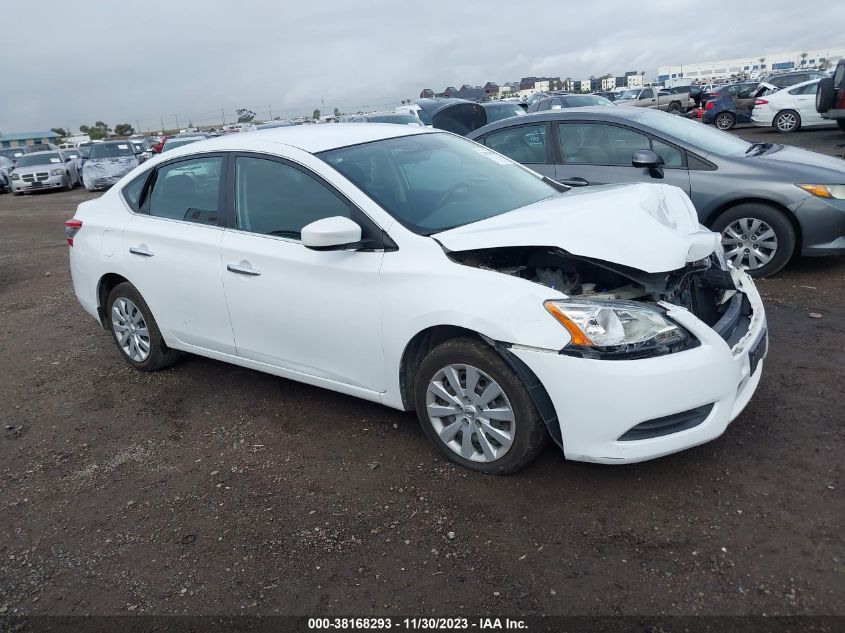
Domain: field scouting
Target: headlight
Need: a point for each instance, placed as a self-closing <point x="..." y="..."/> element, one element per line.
<point x="825" y="191"/>
<point x="57" y="172"/>
<point x="616" y="329"/>
<point x="15" y="177"/>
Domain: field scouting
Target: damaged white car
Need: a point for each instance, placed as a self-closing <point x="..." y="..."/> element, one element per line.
<point x="412" y="267"/>
<point x="108" y="162"/>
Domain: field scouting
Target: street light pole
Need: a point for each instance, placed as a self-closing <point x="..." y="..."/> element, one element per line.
<point x="177" y="122"/>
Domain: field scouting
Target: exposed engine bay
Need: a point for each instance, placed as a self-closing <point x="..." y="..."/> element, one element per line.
<point x="704" y="287"/>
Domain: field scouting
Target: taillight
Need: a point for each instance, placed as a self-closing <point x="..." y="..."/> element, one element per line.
<point x="710" y="105"/>
<point x="760" y="102"/>
<point x="71" y="229"/>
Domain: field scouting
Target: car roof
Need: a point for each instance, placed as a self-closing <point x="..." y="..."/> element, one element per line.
<point x="309" y="138"/>
<point x="587" y="113"/>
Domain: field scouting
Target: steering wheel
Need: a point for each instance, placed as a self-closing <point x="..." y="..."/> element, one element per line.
<point x="449" y="193"/>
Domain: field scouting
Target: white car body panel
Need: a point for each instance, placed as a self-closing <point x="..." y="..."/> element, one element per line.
<point x="805" y="105"/>
<point x="343" y="319"/>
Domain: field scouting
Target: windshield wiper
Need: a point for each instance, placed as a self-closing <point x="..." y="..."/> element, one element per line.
<point x="758" y="148"/>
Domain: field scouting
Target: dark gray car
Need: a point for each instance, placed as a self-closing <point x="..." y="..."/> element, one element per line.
<point x="769" y="201"/>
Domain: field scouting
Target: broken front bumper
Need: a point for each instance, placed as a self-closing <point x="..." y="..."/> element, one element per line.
<point x="676" y="401"/>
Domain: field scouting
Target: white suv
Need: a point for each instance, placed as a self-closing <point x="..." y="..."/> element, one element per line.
<point x="412" y="267"/>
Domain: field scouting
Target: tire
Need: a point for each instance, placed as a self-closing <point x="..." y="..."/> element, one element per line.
<point x="158" y="355"/>
<point x="674" y="108"/>
<point x="742" y="250"/>
<point x="787" y="121"/>
<point x="825" y="95"/>
<point x="68" y="182"/>
<point x="526" y="430"/>
<point x="725" y="120"/>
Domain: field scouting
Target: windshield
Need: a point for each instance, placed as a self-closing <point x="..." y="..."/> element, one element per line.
<point x="178" y="142"/>
<point x="630" y="94"/>
<point x="499" y="111"/>
<point x="575" y="101"/>
<point x="110" y="150"/>
<point x="704" y="137"/>
<point x="434" y="182"/>
<point x="403" y="119"/>
<point x="12" y="153"/>
<point x="30" y="160"/>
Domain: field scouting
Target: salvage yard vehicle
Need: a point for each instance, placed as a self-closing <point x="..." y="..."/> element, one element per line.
<point x="38" y="171"/>
<point x="568" y="101"/>
<point x="397" y="118"/>
<point x="14" y="153"/>
<point x="412" y="267"/>
<point x="649" y="97"/>
<point x="768" y="201"/>
<point x="731" y="104"/>
<point x="108" y="162"/>
<point x="830" y="99"/>
<point x="790" y="109"/>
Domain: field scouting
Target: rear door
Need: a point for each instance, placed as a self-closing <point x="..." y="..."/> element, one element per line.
<point x="172" y="252"/>
<point x="803" y="100"/>
<point x="600" y="153"/>
<point x="527" y="144"/>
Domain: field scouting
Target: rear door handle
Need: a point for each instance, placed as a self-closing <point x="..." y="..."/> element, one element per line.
<point x="243" y="269"/>
<point x="141" y="250"/>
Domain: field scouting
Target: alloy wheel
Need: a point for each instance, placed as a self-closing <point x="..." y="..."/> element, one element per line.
<point x="130" y="330"/>
<point x="786" y="122"/>
<point x="749" y="242"/>
<point x="724" y="122"/>
<point x="470" y="413"/>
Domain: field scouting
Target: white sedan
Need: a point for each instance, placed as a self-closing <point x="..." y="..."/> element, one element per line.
<point x="789" y="109"/>
<point x="418" y="269"/>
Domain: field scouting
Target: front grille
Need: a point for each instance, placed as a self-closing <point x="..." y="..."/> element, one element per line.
<point x="28" y="177"/>
<point x="42" y="175"/>
<point x="668" y="424"/>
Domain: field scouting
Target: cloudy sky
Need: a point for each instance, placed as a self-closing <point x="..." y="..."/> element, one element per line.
<point x="141" y="61"/>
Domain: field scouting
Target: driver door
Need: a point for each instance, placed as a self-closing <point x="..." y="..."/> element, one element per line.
<point x="316" y="313"/>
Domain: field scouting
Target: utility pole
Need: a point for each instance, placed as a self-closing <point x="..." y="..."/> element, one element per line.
<point x="138" y="123"/>
<point x="222" y="116"/>
<point x="271" y="111"/>
<point x="177" y="122"/>
<point x="162" y="126"/>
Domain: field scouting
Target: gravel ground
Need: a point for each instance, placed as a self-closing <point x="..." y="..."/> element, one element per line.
<point x="208" y="488"/>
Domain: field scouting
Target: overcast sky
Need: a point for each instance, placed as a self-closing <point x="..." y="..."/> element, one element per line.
<point x="130" y="61"/>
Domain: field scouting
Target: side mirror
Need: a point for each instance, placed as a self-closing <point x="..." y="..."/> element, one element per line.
<point x="331" y="233"/>
<point x="645" y="158"/>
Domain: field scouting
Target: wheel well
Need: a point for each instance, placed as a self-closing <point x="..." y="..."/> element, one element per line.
<point x="418" y="348"/>
<point x="714" y="215"/>
<point x="107" y="283"/>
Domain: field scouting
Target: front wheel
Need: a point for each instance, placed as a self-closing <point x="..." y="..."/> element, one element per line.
<point x="475" y="410"/>
<point x="757" y="237"/>
<point x="725" y="120"/>
<point x="787" y="121"/>
<point x="135" y="331"/>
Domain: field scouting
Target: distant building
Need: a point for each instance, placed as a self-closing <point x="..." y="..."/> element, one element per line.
<point x="427" y="93"/>
<point x="753" y="67"/>
<point x="634" y="81"/>
<point x="21" y="139"/>
<point x="491" y="90"/>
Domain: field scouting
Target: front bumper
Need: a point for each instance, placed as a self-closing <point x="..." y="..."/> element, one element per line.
<point x="22" y="186"/>
<point x="597" y="401"/>
<point x="822" y="223"/>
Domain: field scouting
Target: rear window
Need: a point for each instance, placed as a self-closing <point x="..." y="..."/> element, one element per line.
<point x="111" y="150"/>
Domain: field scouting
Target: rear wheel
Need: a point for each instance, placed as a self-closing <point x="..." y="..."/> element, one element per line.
<point x="725" y="120"/>
<point x="674" y="108"/>
<point x="787" y="121"/>
<point x="135" y="331"/>
<point x="475" y="410"/>
<point x="757" y="237"/>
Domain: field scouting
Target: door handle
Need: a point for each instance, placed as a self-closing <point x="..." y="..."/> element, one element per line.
<point x="141" y="250"/>
<point x="573" y="182"/>
<point x="240" y="269"/>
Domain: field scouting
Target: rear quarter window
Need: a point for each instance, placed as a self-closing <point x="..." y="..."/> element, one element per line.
<point x="132" y="191"/>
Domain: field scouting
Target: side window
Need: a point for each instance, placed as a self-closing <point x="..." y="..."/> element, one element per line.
<point x="274" y="198"/>
<point x="599" y="143"/>
<point x="524" y="144"/>
<point x="188" y="190"/>
<point x="839" y="76"/>
<point x="648" y="93"/>
<point x="557" y="104"/>
<point x="672" y="158"/>
<point x="132" y="191"/>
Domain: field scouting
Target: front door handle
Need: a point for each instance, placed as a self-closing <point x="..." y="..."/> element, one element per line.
<point x="141" y="250"/>
<point x="243" y="269"/>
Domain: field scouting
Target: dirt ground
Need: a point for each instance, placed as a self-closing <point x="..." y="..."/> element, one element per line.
<point x="208" y="488"/>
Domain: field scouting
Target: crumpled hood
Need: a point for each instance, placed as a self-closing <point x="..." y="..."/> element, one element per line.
<point x="650" y="227"/>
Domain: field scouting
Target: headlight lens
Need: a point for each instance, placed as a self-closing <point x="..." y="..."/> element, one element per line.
<point x="616" y="329"/>
<point x="56" y="172"/>
<point x="825" y="191"/>
<point x="15" y="177"/>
